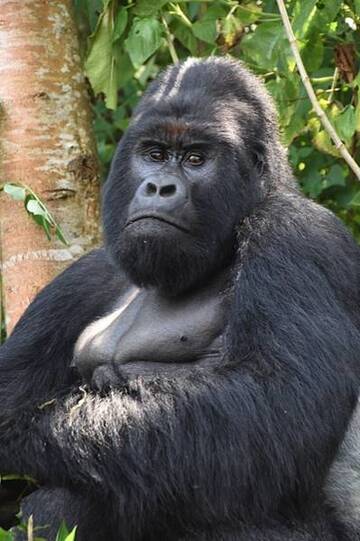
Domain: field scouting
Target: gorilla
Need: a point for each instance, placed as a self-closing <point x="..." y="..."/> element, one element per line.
<point x="193" y="379"/>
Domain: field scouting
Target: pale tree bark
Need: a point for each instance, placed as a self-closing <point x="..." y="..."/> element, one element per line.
<point x="45" y="142"/>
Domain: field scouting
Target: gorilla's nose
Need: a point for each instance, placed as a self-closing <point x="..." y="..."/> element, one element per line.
<point x="160" y="194"/>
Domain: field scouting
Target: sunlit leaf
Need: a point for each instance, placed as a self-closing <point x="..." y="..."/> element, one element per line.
<point x="34" y="207"/>
<point x="263" y="46"/>
<point x="232" y="29"/>
<point x="323" y="142"/>
<point x="325" y="15"/>
<point x="304" y="13"/>
<point x="16" y="192"/>
<point x="64" y="534"/>
<point x="100" y="66"/>
<point x="145" y="37"/>
<point x="248" y="14"/>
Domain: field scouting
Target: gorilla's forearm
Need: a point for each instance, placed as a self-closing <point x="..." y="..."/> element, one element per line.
<point x="190" y="438"/>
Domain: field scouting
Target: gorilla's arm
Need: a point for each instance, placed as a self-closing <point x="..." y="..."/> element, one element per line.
<point x="271" y="418"/>
<point x="34" y="360"/>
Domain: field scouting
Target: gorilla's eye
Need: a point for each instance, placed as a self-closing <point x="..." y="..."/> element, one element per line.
<point x="195" y="159"/>
<point x="158" y="155"/>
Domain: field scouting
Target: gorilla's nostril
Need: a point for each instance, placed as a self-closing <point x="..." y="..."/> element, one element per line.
<point x="167" y="191"/>
<point x="151" y="189"/>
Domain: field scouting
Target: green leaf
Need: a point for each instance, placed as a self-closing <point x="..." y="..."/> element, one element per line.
<point x="34" y="207"/>
<point x="356" y="81"/>
<point x="125" y="69"/>
<point x="5" y="536"/>
<point x="145" y="37"/>
<point x="326" y="15"/>
<point x="304" y="13"/>
<point x="205" y="29"/>
<point x="313" y="52"/>
<point x="64" y="535"/>
<point x="298" y="121"/>
<point x="355" y="202"/>
<point x="148" y="70"/>
<point x="100" y="65"/>
<point x="120" y="23"/>
<point x="60" y="235"/>
<point x="231" y="30"/>
<point x="357" y="7"/>
<point x="186" y="37"/>
<point x="345" y="124"/>
<point x="312" y="183"/>
<point x="357" y="110"/>
<point x="335" y="177"/>
<point x="146" y="8"/>
<point x="248" y="14"/>
<point x="16" y="192"/>
<point x="323" y="143"/>
<point x="264" y="46"/>
<point x="72" y="535"/>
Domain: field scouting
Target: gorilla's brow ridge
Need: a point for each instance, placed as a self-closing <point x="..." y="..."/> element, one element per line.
<point x="173" y="132"/>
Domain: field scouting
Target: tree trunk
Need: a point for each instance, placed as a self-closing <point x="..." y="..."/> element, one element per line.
<point x="45" y="142"/>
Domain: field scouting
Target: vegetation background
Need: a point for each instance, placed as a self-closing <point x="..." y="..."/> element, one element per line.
<point x="125" y="44"/>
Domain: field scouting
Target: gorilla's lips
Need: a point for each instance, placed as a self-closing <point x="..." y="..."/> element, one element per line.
<point x="169" y="220"/>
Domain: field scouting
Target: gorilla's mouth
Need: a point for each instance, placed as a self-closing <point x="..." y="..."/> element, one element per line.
<point x="169" y="220"/>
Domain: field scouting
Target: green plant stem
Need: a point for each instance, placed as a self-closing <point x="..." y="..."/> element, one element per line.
<point x="333" y="85"/>
<point x="169" y="39"/>
<point x="178" y="12"/>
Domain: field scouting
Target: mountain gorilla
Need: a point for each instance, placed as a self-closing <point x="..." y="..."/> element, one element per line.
<point x="193" y="379"/>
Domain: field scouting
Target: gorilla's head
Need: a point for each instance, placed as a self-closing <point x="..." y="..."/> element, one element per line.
<point x="201" y="152"/>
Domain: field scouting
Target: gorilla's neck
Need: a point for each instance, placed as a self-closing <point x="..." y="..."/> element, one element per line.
<point x="173" y="270"/>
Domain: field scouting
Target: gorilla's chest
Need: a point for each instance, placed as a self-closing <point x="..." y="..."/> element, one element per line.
<point x="145" y="327"/>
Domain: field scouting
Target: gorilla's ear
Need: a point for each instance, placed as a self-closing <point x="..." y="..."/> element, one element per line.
<point x="258" y="156"/>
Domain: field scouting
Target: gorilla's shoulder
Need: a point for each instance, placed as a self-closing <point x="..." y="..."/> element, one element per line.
<point x="96" y="266"/>
<point x="298" y="214"/>
<point x="290" y="227"/>
<point x="86" y="288"/>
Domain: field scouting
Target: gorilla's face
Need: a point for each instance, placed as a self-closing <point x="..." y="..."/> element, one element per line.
<point x="182" y="180"/>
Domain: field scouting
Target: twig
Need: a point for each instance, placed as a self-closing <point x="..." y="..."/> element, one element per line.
<point x="333" y="85"/>
<point x="169" y="39"/>
<point x="309" y="89"/>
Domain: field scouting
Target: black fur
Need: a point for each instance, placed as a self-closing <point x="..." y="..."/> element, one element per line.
<point x="239" y="451"/>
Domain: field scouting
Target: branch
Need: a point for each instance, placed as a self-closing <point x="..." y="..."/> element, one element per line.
<point x="169" y="39"/>
<point x="309" y="89"/>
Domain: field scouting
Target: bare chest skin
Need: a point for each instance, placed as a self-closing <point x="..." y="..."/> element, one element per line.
<point x="148" y="331"/>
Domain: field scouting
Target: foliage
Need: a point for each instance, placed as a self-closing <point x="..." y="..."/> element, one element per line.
<point x="125" y="44"/>
<point x="35" y="208"/>
<point x="62" y="535"/>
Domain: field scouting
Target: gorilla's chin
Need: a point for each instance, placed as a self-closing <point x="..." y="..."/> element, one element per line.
<point x="173" y="264"/>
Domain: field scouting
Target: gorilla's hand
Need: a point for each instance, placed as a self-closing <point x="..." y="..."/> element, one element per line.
<point x="108" y="376"/>
<point x="116" y="376"/>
